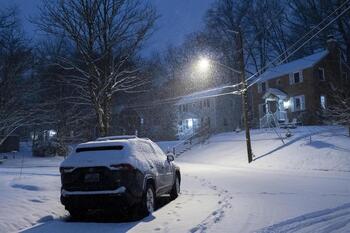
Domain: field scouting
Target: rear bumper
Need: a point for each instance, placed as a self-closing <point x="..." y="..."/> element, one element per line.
<point x="114" y="199"/>
<point x="120" y="190"/>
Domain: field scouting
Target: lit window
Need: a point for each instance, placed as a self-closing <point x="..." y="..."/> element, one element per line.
<point x="323" y="101"/>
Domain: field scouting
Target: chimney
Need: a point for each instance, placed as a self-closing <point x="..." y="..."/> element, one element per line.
<point x="331" y="43"/>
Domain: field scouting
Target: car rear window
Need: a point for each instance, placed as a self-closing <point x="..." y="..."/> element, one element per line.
<point x="99" y="148"/>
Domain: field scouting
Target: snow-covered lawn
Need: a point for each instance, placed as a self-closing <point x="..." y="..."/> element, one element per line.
<point x="300" y="186"/>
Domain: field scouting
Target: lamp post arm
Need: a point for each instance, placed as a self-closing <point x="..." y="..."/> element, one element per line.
<point x="227" y="67"/>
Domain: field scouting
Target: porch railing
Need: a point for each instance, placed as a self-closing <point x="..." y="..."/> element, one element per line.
<point x="273" y="118"/>
<point x="185" y="145"/>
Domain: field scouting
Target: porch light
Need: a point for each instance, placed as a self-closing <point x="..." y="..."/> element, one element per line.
<point x="286" y="104"/>
<point x="52" y="133"/>
<point x="190" y="123"/>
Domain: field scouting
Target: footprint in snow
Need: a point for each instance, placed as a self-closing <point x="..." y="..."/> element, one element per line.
<point x="26" y="187"/>
<point x="46" y="219"/>
<point x="36" y="201"/>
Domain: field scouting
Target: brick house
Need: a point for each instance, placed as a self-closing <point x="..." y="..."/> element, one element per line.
<point x="298" y="90"/>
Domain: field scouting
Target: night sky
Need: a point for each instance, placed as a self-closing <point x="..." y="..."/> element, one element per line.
<point x="178" y="18"/>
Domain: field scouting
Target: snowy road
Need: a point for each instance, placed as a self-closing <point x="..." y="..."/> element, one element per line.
<point x="302" y="187"/>
<point x="214" y="199"/>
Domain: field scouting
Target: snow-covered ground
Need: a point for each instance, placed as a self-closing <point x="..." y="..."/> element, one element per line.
<point x="300" y="186"/>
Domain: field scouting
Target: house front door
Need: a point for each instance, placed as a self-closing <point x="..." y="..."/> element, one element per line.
<point x="272" y="106"/>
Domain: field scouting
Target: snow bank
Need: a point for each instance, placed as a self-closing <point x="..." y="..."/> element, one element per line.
<point x="325" y="148"/>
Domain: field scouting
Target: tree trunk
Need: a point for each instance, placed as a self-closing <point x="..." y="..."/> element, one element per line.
<point x="104" y="118"/>
<point x="349" y="130"/>
<point x="101" y="126"/>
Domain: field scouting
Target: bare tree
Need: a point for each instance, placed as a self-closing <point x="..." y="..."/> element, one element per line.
<point x="106" y="34"/>
<point x="53" y="104"/>
<point x="338" y="109"/>
<point x="223" y="20"/>
<point x="15" y="63"/>
<point x="264" y="26"/>
<point x="307" y="14"/>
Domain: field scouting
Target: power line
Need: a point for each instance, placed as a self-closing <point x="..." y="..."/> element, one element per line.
<point x="342" y="13"/>
<point x="302" y="38"/>
<point x="190" y="98"/>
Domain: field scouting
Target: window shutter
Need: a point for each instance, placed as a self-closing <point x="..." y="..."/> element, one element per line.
<point x="302" y="100"/>
<point x="291" y="79"/>
<point x="291" y="104"/>
<point x="261" y="111"/>
<point x="301" y="76"/>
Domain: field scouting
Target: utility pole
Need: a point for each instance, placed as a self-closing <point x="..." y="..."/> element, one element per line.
<point x="244" y="95"/>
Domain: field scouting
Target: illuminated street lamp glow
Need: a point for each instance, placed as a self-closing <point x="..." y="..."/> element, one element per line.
<point x="203" y="64"/>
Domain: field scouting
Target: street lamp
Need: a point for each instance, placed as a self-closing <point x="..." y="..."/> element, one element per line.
<point x="203" y="64"/>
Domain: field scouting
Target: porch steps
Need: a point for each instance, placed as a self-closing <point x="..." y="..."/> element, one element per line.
<point x="187" y="144"/>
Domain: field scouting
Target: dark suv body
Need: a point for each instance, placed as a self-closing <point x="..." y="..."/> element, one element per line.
<point x="119" y="173"/>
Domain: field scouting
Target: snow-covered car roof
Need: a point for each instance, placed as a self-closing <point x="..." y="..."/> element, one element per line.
<point x="116" y="137"/>
<point x="111" y="141"/>
<point x="109" y="151"/>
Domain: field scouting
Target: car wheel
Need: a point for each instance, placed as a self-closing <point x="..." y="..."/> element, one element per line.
<point x="148" y="200"/>
<point x="176" y="188"/>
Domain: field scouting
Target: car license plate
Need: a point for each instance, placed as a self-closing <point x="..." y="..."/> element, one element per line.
<point x="92" y="178"/>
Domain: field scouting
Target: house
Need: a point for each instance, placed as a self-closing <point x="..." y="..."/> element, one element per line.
<point x="297" y="91"/>
<point x="214" y="110"/>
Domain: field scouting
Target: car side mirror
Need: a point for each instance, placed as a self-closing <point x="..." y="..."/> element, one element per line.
<point x="170" y="157"/>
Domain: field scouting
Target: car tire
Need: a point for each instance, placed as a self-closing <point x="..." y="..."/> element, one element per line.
<point x="174" y="193"/>
<point x="148" y="204"/>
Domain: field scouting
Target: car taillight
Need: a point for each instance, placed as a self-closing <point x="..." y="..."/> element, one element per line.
<point x="66" y="169"/>
<point x="124" y="167"/>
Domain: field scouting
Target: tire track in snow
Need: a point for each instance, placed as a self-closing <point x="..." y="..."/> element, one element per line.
<point x="324" y="221"/>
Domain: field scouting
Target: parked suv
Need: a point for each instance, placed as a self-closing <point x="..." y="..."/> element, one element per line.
<point x="123" y="173"/>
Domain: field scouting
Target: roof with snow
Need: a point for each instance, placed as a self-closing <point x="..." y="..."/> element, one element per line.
<point x="276" y="92"/>
<point x="299" y="64"/>
<point x="197" y="96"/>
